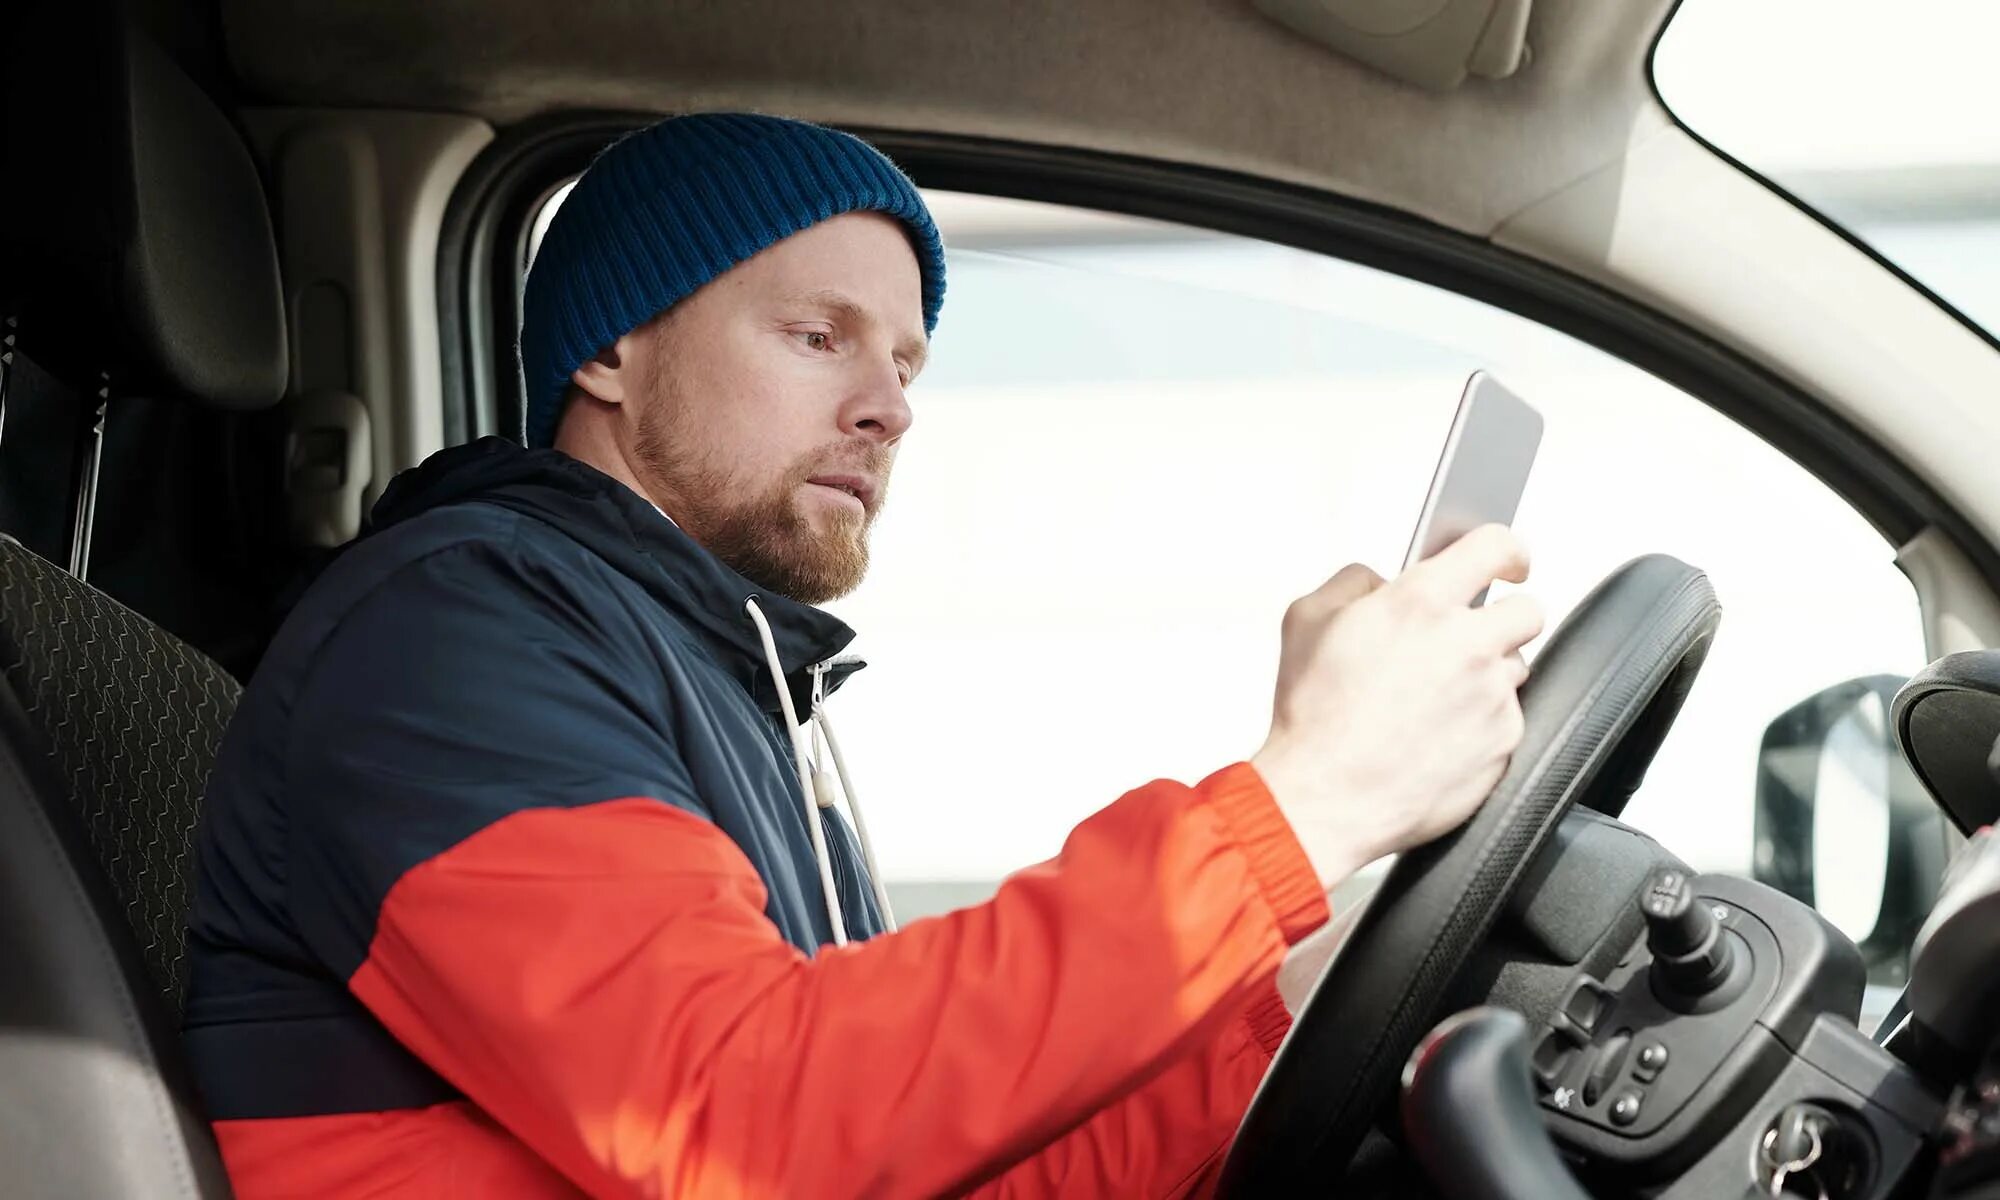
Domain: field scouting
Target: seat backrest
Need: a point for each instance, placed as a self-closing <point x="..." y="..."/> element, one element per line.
<point x="107" y="729"/>
<point x="129" y="719"/>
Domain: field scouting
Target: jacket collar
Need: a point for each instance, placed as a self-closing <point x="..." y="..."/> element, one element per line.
<point x="624" y="528"/>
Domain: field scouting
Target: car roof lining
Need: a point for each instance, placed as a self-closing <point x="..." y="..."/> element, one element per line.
<point x="1193" y="81"/>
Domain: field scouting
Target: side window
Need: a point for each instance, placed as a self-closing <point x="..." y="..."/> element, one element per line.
<point x="1137" y="442"/>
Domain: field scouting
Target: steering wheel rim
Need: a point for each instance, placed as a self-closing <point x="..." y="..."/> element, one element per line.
<point x="1602" y="694"/>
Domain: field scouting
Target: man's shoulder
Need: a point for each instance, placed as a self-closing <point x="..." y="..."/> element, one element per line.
<point x="459" y="563"/>
<point x="481" y="542"/>
<point x="488" y="545"/>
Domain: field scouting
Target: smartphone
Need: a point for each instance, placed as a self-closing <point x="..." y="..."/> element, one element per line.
<point x="1483" y="470"/>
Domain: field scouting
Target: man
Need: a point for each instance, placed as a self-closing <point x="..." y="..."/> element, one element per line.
<point x="517" y="878"/>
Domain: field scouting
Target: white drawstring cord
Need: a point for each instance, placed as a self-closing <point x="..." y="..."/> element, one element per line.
<point x="801" y="762"/>
<point x="823" y="789"/>
<point x="860" y="823"/>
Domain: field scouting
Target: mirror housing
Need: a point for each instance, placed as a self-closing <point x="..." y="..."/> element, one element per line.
<point x="1836" y="798"/>
<point x="1947" y="719"/>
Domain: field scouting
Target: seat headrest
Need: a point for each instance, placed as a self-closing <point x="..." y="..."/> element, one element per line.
<point x="136" y="226"/>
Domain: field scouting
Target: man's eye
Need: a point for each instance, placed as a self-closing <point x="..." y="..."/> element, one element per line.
<point x="817" y="341"/>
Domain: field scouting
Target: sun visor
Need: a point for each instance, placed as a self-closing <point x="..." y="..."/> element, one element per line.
<point x="1434" y="44"/>
<point x="1947" y="719"/>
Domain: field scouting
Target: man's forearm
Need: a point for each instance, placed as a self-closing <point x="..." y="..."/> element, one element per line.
<point x="604" y="982"/>
<point x="1165" y="1140"/>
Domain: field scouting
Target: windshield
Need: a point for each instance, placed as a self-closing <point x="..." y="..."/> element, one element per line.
<point x="1879" y="116"/>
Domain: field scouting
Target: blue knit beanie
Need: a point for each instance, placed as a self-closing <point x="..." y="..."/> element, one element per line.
<point x="663" y="211"/>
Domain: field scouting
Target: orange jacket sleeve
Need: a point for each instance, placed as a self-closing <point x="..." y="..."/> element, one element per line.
<point x="1166" y="1139"/>
<point x="604" y="982"/>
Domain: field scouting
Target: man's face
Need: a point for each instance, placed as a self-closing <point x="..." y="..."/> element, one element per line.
<point x="770" y="403"/>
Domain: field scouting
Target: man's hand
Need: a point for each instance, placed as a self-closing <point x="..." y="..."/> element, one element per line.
<point x="1397" y="705"/>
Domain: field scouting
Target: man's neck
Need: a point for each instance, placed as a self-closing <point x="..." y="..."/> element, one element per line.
<point x="601" y="452"/>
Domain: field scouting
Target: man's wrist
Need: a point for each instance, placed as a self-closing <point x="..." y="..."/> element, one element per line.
<point x="1335" y="848"/>
<point x="1286" y="876"/>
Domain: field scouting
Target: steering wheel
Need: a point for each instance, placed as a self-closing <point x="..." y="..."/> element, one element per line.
<point x="1600" y="699"/>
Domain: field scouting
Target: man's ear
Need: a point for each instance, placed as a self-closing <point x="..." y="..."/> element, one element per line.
<point x="609" y="374"/>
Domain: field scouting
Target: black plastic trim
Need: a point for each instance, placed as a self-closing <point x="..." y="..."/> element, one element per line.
<point x="483" y="242"/>
<point x="490" y="209"/>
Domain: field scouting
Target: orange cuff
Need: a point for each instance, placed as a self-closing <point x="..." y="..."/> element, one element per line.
<point x="1269" y="1021"/>
<point x="1277" y="861"/>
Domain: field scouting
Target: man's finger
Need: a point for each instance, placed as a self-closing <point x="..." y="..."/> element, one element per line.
<point x="1348" y="584"/>
<point x="1469" y="565"/>
<point x="1511" y="621"/>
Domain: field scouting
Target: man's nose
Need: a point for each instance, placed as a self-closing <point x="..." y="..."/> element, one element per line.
<point x="880" y="410"/>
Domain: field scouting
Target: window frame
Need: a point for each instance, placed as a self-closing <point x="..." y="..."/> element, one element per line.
<point x="486" y="226"/>
<point x="1768" y="183"/>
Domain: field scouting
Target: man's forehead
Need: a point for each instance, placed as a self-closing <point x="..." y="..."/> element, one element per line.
<point x="854" y="305"/>
<point x="857" y="266"/>
<point x="851" y="241"/>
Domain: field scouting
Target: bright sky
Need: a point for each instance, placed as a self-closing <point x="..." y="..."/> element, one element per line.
<point x="1128" y="459"/>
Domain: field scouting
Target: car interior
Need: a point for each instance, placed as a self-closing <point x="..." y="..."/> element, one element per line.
<point x="257" y="256"/>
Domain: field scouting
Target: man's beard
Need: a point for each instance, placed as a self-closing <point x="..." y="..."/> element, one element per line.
<point x="765" y="537"/>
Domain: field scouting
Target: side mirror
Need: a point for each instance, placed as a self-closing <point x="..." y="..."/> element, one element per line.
<point x="1843" y="824"/>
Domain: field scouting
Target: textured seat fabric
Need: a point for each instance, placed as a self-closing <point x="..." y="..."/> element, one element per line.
<point x="107" y="728"/>
<point x="130" y="719"/>
<point x="139" y="261"/>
